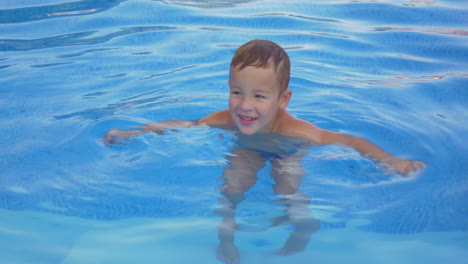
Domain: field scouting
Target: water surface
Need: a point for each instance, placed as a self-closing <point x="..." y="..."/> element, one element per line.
<point x="394" y="72"/>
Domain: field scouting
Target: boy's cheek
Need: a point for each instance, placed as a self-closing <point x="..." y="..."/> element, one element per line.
<point x="232" y="103"/>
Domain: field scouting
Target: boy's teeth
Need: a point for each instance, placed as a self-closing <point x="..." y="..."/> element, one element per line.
<point x="247" y="118"/>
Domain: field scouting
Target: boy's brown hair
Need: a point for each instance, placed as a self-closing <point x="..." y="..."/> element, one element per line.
<point x="259" y="53"/>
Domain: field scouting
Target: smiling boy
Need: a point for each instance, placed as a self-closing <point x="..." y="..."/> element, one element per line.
<point x="258" y="82"/>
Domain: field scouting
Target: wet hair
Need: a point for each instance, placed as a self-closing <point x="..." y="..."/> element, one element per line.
<point x="260" y="53"/>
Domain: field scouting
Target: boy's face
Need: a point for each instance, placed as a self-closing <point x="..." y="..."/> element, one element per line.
<point x="255" y="99"/>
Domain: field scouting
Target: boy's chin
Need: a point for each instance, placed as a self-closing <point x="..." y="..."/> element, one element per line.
<point x="246" y="131"/>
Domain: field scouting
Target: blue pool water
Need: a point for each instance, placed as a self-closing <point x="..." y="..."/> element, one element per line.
<point x="394" y="72"/>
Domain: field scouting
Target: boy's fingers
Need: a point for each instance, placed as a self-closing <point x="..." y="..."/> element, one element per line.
<point x="406" y="168"/>
<point x="418" y="163"/>
<point x="104" y="141"/>
<point x="416" y="167"/>
<point x="408" y="172"/>
<point x="421" y="164"/>
<point x="415" y="170"/>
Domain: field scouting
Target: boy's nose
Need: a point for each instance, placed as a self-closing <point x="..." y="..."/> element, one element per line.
<point x="246" y="103"/>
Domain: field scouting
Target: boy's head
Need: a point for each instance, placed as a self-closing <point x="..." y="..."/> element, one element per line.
<point x="258" y="82"/>
<point x="264" y="54"/>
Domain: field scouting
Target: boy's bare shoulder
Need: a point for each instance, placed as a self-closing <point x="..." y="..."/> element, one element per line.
<point x="296" y="127"/>
<point x="220" y="118"/>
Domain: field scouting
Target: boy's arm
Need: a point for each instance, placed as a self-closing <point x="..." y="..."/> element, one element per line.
<point x="116" y="135"/>
<point x="366" y="148"/>
<point x="217" y="119"/>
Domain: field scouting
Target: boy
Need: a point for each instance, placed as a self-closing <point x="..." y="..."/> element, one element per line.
<point x="258" y="82"/>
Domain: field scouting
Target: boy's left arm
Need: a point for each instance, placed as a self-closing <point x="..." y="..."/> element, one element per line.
<point x="404" y="166"/>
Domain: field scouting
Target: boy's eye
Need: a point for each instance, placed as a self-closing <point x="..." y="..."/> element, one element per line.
<point x="235" y="92"/>
<point x="259" y="96"/>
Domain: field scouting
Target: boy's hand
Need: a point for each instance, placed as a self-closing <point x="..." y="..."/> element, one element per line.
<point x="404" y="167"/>
<point x="114" y="136"/>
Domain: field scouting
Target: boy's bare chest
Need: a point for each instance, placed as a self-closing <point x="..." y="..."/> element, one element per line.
<point x="271" y="143"/>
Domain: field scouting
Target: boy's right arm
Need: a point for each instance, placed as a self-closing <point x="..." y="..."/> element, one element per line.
<point x="217" y="119"/>
<point x="116" y="135"/>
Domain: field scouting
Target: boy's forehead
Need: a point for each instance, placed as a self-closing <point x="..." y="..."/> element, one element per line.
<point x="252" y="75"/>
<point x="269" y="65"/>
<point x="268" y="70"/>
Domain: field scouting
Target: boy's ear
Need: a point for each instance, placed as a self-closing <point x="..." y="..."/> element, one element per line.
<point x="285" y="97"/>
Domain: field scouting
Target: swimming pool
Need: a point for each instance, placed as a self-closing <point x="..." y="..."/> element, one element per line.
<point x="394" y="72"/>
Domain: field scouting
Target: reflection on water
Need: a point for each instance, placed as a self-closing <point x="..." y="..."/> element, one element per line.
<point x="81" y="38"/>
<point x="30" y="14"/>
<point x="439" y="31"/>
<point x="240" y="175"/>
<point x="421" y="78"/>
<point x="424" y="2"/>
<point x="207" y="4"/>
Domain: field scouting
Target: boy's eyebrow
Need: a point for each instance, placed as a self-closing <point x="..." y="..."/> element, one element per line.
<point x="262" y="90"/>
<point x="233" y="85"/>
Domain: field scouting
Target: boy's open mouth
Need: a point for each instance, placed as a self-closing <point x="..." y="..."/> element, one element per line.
<point x="247" y="120"/>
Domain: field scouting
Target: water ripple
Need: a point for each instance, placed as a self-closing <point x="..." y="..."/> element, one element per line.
<point x="169" y="72"/>
<point x="116" y="76"/>
<point x="50" y="64"/>
<point x="207" y="4"/>
<point x="83" y="52"/>
<point x="28" y="14"/>
<point x="73" y="39"/>
<point x="315" y="19"/>
<point x="438" y="31"/>
<point x="138" y="102"/>
<point x="93" y="95"/>
<point x="6" y="66"/>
